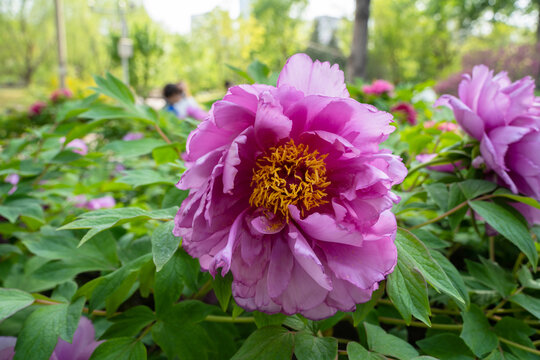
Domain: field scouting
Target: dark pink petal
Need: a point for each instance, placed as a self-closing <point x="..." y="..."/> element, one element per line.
<point x="279" y="269"/>
<point x="313" y="78"/>
<point x="83" y="344"/>
<point x="465" y="117"/>
<point x="306" y="257"/>
<point x="302" y="294"/>
<point x="324" y="228"/>
<point x="270" y="123"/>
<point x="362" y="266"/>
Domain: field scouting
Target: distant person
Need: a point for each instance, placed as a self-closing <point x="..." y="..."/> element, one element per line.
<point x="179" y="103"/>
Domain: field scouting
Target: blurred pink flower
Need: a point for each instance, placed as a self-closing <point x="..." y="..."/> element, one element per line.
<point x="133" y="136"/>
<point x="78" y="200"/>
<point x="422" y="158"/>
<point x="378" y="87"/>
<point x="12" y="179"/>
<point x="78" y="146"/>
<point x="105" y="202"/>
<point x="81" y="348"/>
<point x="407" y="110"/>
<point x="290" y="191"/>
<point x="505" y="118"/>
<point x="60" y="94"/>
<point x="197" y="113"/>
<point x="37" y="108"/>
<point x="447" y="126"/>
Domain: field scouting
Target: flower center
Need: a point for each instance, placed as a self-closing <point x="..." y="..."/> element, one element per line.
<point x="289" y="175"/>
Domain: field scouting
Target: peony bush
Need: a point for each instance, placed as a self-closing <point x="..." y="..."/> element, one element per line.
<point x="301" y="218"/>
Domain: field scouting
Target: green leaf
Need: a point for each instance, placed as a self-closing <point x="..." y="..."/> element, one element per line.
<point x="439" y="193"/>
<point x="13" y="300"/>
<point x="415" y="253"/>
<point x="454" y="276"/>
<point x="430" y="240"/>
<point x="491" y="275"/>
<point x="178" y="334"/>
<point x="100" y="220"/>
<point x="222" y="289"/>
<point x="168" y="285"/>
<point x="143" y="177"/>
<point x="456" y="198"/>
<point x="386" y="344"/>
<point x="523" y="199"/>
<point x="526" y="279"/>
<point x="133" y="148"/>
<point x="130" y="322"/>
<point x="258" y="71"/>
<point x="355" y="351"/>
<point x="29" y="207"/>
<point x="446" y="347"/>
<point x="517" y="331"/>
<point x="309" y="347"/>
<point x="165" y="154"/>
<point x="477" y="332"/>
<point x="44" y="326"/>
<point x="114" y="88"/>
<point x="529" y="303"/>
<point x="164" y="244"/>
<point x="269" y="343"/>
<point x="408" y="292"/>
<point x="263" y="320"/>
<point x="123" y="348"/>
<point x="473" y="188"/>
<point x="507" y="225"/>
<point x="109" y="283"/>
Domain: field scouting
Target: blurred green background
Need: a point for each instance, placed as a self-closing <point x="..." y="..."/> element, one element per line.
<point x="410" y="41"/>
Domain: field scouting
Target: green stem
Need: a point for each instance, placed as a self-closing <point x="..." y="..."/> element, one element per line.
<point x="492" y="248"/>
<point x="502" y="303"/>
<point x="203" y="290"/>
<point x="519" y="346"/>
<point x="450" y="212"/>
<point x="229" y="319"/>
<point x="393" y="321"/>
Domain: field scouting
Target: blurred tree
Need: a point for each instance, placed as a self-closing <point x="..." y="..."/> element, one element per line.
<point x="359" y="47"/>
<point x="27" y="35"/>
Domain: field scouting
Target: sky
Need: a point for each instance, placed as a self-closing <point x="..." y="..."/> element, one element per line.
<point x="175" y="15"/>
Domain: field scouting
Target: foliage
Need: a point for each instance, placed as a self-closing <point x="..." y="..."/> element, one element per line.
<point x="457" y="292"/>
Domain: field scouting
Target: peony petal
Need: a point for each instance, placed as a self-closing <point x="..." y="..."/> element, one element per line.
<point x="313" y="78"/>
<point x="279" y="269"/>
<point x="362" y="266"/>
<point x="305" y="256"/>
<point x="270" y="123"/>
<point x="466" y="118"/>
<point x="324" y="228"/>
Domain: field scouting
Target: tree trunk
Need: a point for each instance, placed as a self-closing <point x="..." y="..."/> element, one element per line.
<point x="356" y="66"/>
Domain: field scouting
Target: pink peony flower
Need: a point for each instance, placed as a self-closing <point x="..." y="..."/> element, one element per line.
<point x="78" y="146"/>
<point x="378" y="87"/>
<point x="12" y="179"/>
<point x="505" y="118"/>
<point x="196" y="113"/>
<point x="60" y="94"/>
<point x="422" y="158"/>
<point x="105" y="202"/>
<point x="78" y="200"/>
<point x="290" y="191"/>
<point x="407" y="110"/>
<point x="133" y="136"/>
<point x="81" y="348"/>
<point x="37" y="108"/>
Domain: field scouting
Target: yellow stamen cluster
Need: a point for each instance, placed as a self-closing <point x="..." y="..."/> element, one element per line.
<point x="289" y="175"/>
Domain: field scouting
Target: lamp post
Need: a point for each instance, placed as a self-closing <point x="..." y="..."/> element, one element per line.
<point x="125" y="44"/>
